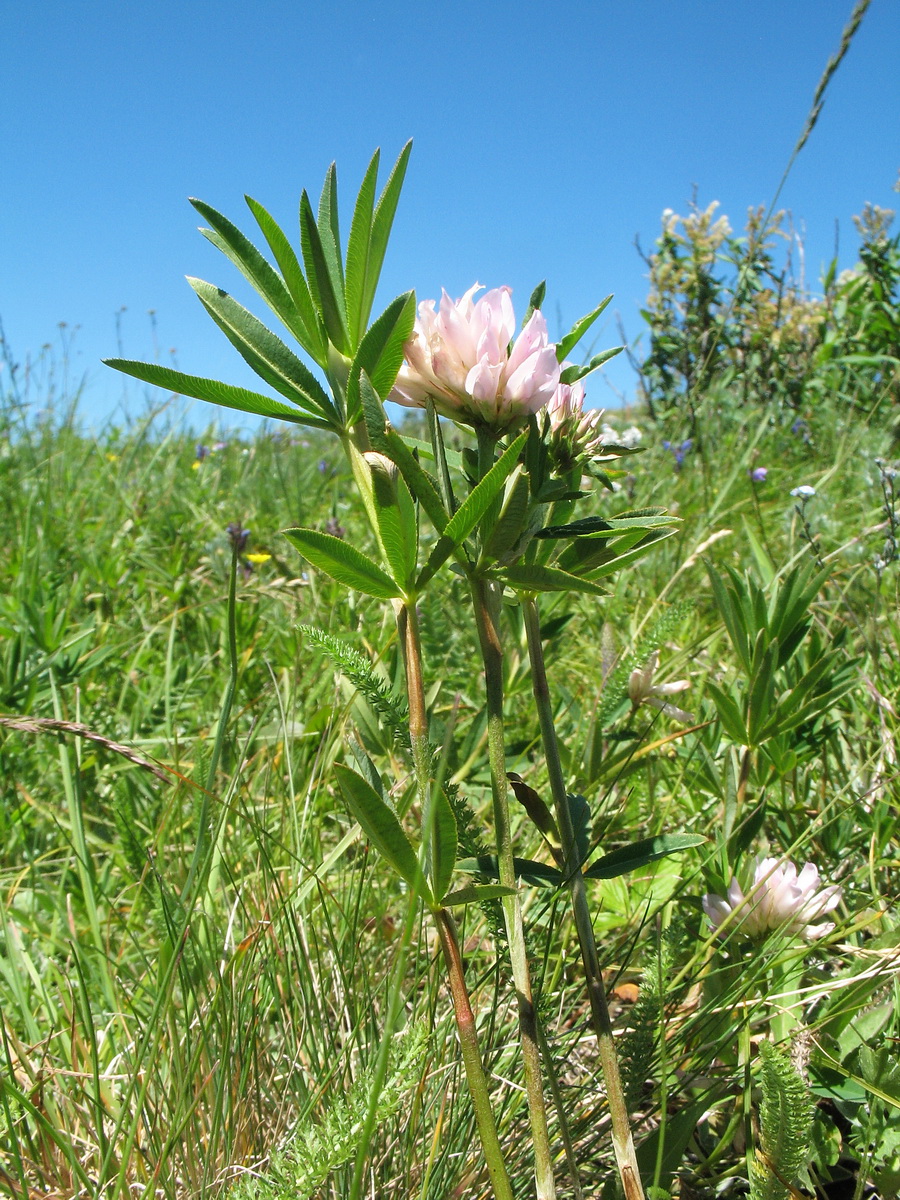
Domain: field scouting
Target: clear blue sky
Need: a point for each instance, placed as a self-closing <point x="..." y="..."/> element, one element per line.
<point x="546" y="138"/>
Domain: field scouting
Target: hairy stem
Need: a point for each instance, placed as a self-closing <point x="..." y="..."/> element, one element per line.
<point x="623" y="1143"/>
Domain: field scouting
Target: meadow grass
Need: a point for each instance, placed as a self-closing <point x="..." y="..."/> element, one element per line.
<point x="179" y="1025"/>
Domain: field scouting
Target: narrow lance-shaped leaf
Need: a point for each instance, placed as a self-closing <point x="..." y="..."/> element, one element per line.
<point x="380" y="353"/>
<point x="265" y="352"/>
<point x="640" y="854"/>
<point x="329" y="229"/>
<point x="358" y="251"/>
<point x="537" y="873"/>
<point x="379" y="824"/>
<point x="472" y="509"/>
<point x="215" y="392"/>
<point x="253" y="266"/>
<point x="443" y="845"/>
<point x="343" y="562"/>
<point x="324" y="287"/>
<point x="535" y="301"/>
<point x="475" y="893"/>
<point x="393" y="511"/>
<point x="313" y="341"/>
<point x="417" y="479"/>
<point x="575" y="372"/>
<point x="382" y="222"/>
<point x="578" y="330"/>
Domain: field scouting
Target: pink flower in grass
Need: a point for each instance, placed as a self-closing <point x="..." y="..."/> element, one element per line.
<point x="779" y="899"/>
<point x="462" y="356"/>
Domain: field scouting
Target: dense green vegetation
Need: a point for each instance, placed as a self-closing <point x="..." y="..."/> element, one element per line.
<point x="196" y="937"/>
<point x="140" y="1051"/>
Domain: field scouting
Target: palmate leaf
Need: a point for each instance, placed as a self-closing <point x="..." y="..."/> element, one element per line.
<point x="597" y="527"/>
<point x="639" y="854"/>
<point x="343" y="562"/>
<point x="620" y="554"/>
<point x="530" y="577"/>
<point x="215" y="392"/>
<point x="266" y="353"/>
<point x="473" y="508"/>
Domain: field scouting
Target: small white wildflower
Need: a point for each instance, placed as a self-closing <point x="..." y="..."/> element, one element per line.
<point x="642" y="690"/>
<point x="779" y="899"/>
<point x="804" y="491"/>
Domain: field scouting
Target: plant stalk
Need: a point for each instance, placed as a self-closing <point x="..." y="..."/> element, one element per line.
<point x="486" y="599"/>
<point x="410" y="641"/>
<point x="471" y="1054"/>
<point x="623" y="1143"/>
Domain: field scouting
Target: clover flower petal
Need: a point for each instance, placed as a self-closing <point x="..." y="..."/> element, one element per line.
<point x="462" y="357"/>
<point x="780" y="899"/>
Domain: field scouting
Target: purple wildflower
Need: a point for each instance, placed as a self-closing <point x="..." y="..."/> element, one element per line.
<point x="238" y="535"/>
<point x="758" y="474"/>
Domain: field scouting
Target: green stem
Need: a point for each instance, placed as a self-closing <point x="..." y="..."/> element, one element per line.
<point x="623" y="1143"/>
<point x="486" y="599"/>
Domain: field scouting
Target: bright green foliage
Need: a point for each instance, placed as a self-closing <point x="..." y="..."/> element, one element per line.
<point x="785" y="1121"/>
<point x="782" y="688"/>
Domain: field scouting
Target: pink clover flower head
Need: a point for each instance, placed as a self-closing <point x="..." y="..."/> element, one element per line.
<point x="642" y="690"/>
<point x="462" y="356"/>
<point x="781" y="899"/>
<point x="575" y="433"/>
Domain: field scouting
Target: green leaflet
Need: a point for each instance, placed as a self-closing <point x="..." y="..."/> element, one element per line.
<point x="477" y="892"/>
<point x="578" y="330"/>
<point x="472" y="509"/>
<point x="379" y="824"/>
<point x="639" y="854"/>
<point x="575" y="372"/>
<point x="265" y="352"/>
<point x="343" y="562"/>
<point x="369" y="231"/>
<point x="529" y="869"/>
<point x="533" y="578"/>
<point x="380" y="353"/>
<point x="326" y="289"/>
<point x="443" y="844"/>
<point x="226" y="237"/>
<point x="215" y="392"/>
<point x="313" y="341"/>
